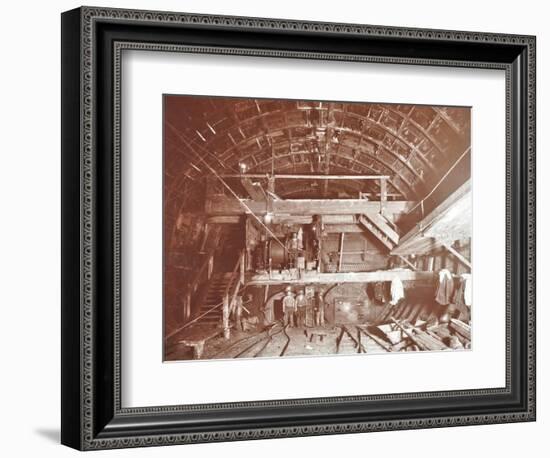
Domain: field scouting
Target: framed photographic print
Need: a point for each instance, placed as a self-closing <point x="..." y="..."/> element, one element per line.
<point x="277" y="228"/>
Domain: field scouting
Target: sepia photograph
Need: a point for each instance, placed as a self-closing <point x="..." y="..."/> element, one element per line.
<point x="310" y="228"/>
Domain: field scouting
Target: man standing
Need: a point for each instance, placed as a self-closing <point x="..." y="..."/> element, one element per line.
<point x="301" y="303"/>
<point x="319" y="309"/>
<point x="289" y="308"/>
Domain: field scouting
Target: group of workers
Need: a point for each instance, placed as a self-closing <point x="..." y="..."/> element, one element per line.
<point x="295" y="308"/>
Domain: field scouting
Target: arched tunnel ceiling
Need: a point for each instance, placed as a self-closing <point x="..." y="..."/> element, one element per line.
<point x="414" y="144"/>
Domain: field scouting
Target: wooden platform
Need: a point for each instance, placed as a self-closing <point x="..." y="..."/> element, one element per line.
<point x="341" y="277"/>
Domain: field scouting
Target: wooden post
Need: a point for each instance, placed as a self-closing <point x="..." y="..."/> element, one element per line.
<point x="271" y="184"/>
<point x="210" y="266"/>
<point x="225" y="317"/>
<point x="242" y="267"/>
<point x="430" y="263"/>
<point x="407" y="262"/>
<point x="383" y="194"/>
<point x="320" y="259"/>
<point x="341" y="251"/>
<point x="187" y="306"/>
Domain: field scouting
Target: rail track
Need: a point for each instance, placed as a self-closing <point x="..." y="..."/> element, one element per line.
<point x="258" y="345"/>
<point x="358" y="339"/>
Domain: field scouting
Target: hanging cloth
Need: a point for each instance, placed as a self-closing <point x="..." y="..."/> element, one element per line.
<point x="397" y="290"/>
<point x="458" y="296"/>
<point x="445" y="288"/>
<point x="463" y="293"/>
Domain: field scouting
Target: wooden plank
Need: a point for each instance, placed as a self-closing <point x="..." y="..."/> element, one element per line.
<point x="374" y="230"/>
<point x="254" y="190"/>
<point x="460" y="328"/>
<point x="435" y="215"/>
<point x="420" y="338"/>
<point x="341" y="251"/>
<point x="406" y="261"/>
<point x="383" y="194"/>
<point x="458" y="256"/>
<point x="408" y="332"/>
<point x="338" y="219"/>
<point x="342" y="277"/>
<point x="381" y="223"/>
<point x="294" y="176"/>
<point x="233" y="219"/>
<point x="333" y="223"/>
<point x="226" y="205"/>
<point x="385" y="345"/>
<point x="357" y="342"/>
<point x="343" y="228"/>
<point x="418" y="246"/>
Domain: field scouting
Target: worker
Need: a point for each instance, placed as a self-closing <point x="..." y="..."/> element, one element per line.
<point x="319" y="309"/>
<point x="301" y="303"/>
<point x="289" y="308"/>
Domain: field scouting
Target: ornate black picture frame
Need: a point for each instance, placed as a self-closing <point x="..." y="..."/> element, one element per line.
<point x="92" y="42"/>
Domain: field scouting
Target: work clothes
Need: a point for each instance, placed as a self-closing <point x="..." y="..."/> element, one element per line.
<point x="397" y="290"/>
<point x="301" y="303"/>
<point x="445" y="288"/>
<point x="319" y="309"/>
<point x="463" y="293"/>
<point x="289" y="303"/>
<point x="289" y="308"/>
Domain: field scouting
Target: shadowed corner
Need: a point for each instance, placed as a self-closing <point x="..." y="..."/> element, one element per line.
<point x="52" y="435"/>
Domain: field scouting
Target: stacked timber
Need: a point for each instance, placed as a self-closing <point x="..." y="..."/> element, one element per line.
<point x="401" y="335"/>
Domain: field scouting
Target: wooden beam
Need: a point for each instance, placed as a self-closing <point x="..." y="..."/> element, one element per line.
<point x="333" y="223"/>
<point x="293" y="176"/>
<point x="254" y="190"/>
<point x="410" y="264"/>
<point x="383" y="225"/>
<point x="385" y="345"/>
<point x="343" y="228"/>
<point x="383" y="194"/>
<point x="226" y="205"/>
<point x="235" y="219"/>
<point x="341" y="251"/>
<point x="312" y="277"/>
<point x="417" y="232"/>
<point x="417" y="246"/>
<point x="338" y="219"/>
<point x="422" y="339"/>
<point x="461" y="328"/>
<point x="458" y="256"/>
<point x="431" y="261"/>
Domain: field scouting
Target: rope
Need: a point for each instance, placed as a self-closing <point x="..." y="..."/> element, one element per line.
<point x="466" y="151"/>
